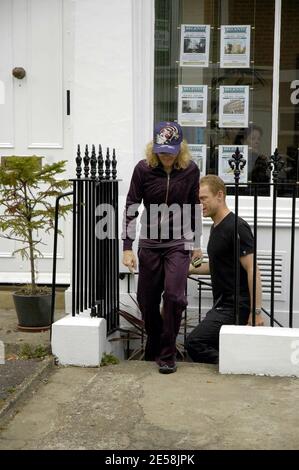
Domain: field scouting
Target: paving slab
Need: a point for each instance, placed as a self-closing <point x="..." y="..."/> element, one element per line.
<point x="132" y="406"/>
<point x="18" y="376"/>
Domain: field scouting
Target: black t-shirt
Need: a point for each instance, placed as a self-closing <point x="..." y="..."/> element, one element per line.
<point x="221" y="256"/>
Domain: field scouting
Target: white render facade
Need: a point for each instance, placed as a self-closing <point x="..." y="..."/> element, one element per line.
<point x="104" y="53"/>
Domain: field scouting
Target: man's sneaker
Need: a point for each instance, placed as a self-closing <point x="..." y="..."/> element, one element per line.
<point x="167" y="368"/>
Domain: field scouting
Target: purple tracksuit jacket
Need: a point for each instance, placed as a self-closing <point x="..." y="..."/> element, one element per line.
<point x="178" y="219"/>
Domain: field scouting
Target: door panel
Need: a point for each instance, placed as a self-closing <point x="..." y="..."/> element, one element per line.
<point x="45" y="84"/>
<point x="35" y="35"/>
<point x="6" y="54"/>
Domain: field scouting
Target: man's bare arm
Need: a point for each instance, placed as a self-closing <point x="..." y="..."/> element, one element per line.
<point x="204" y="268"/>
<point x="247" y="263"/>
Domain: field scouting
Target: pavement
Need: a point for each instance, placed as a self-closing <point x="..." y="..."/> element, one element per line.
<point x="130" y="406"/>
<point x="21" y="369"/>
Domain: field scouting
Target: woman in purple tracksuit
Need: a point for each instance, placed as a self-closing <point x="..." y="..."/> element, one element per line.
<point x="167" y="183"/>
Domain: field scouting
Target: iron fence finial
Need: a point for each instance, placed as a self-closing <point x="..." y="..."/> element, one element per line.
<point x="107" y="164"/>
<point x="237" y="163"/>
<point x="276" y="164"/>
<point x="78" y="162"/>
<point x="100" y="163"/>
<point x="93" y="163"/>
<point x="86" y="160"/>
<point x="114" y="164"/>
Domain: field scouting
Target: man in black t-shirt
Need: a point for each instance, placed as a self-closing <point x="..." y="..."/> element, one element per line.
<point x="203" y="342"/>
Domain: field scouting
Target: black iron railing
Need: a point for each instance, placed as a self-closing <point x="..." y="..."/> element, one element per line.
<point x="275" y="165"/>
<point x="95" y="249"/>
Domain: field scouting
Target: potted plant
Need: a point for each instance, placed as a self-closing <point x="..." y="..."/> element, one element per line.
<point x="27" y="192"/>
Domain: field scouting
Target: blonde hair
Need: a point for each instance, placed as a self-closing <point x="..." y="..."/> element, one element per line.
<point x="182" y="160"/>
<point x="215" y="184"/>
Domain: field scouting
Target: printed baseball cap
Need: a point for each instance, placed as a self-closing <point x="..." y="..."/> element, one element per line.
<point x="168" y="137"/>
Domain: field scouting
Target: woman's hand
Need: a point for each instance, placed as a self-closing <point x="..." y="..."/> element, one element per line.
<point x="129" y="260"/>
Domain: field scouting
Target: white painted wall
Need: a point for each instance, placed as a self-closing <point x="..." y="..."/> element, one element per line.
<point x="113" y="80"/>
<point x="259" y="351"/>
<point x="102" y="90"/>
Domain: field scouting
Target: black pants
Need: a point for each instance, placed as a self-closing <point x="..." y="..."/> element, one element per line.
<point x="202" y="343"/>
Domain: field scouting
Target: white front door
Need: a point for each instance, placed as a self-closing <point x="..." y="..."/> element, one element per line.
<point x="34" y="111"/>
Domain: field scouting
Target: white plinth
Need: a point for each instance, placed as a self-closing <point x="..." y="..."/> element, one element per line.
<point x="68" y="300"/>
<point x="79" y="340"/>
<point x="259" y="350"/>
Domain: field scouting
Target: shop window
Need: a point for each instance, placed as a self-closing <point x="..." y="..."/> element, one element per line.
<point x="203" y="64"/>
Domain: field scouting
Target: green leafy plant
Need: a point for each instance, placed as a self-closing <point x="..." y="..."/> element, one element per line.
<point x="27" y="192"/>
<point x="29" y="351"/>
<point x="108" y="359"/>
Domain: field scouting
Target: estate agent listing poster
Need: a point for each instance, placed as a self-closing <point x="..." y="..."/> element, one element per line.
<point x="225" y="172"/>
<point x="233" y="106"/>
<point x="195" y="45"/>
<point x="235" y="46"/>
<point x="199" y="156"/>
<point x="192" y="105"/>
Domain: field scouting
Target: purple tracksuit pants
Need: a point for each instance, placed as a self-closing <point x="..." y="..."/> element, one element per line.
<point x="162" y="270"/>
